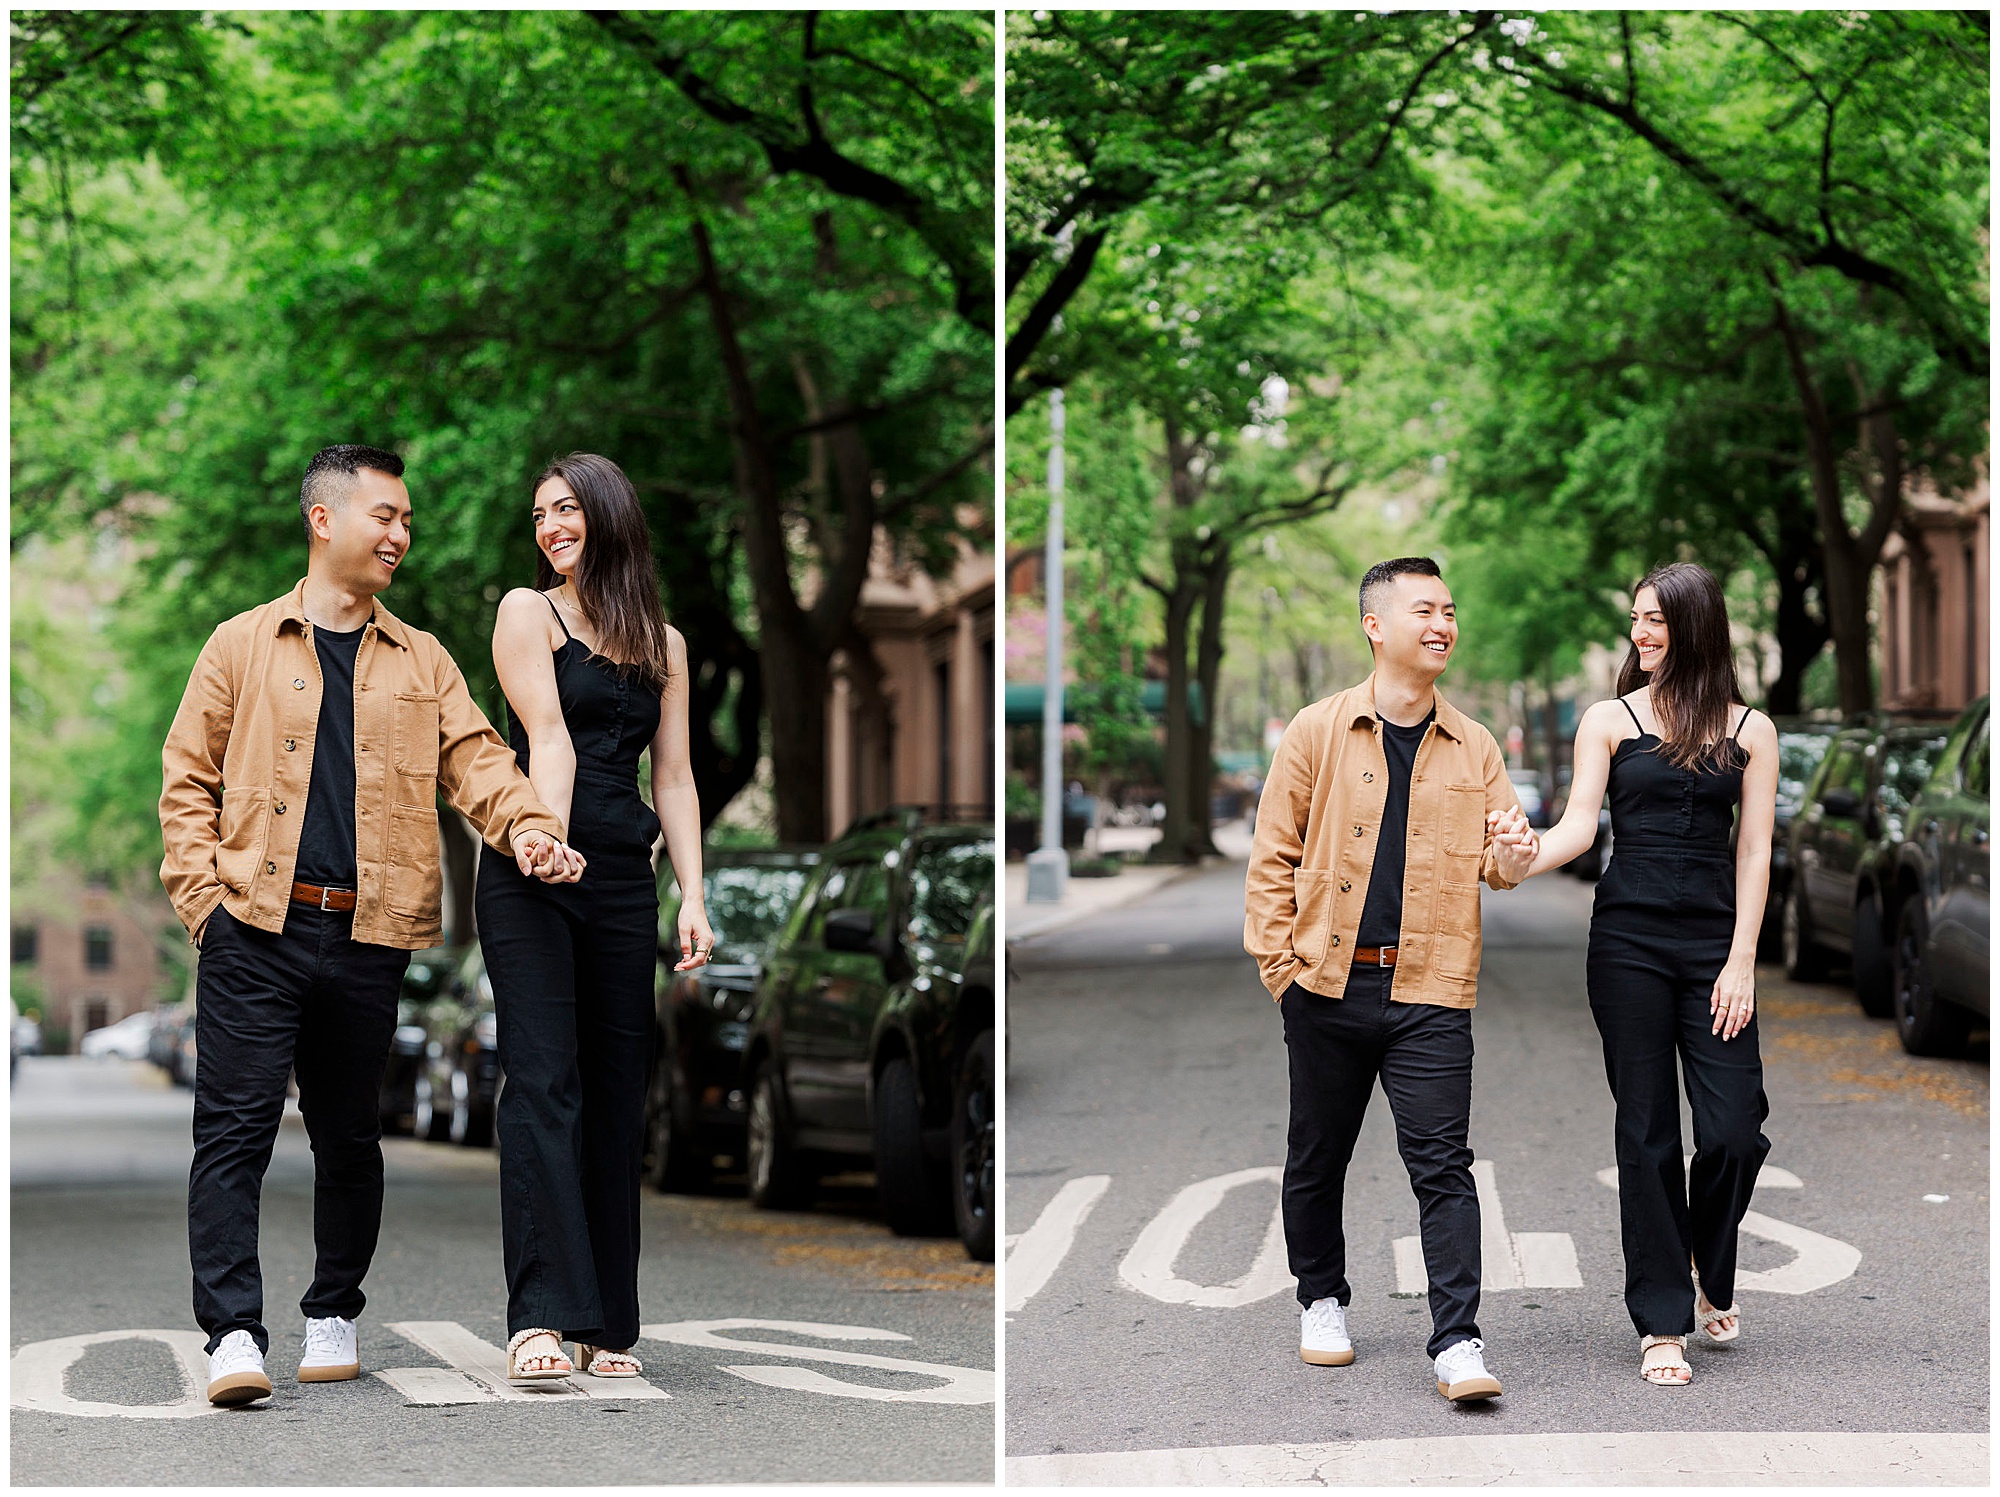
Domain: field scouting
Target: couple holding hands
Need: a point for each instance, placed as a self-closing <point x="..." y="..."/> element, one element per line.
<point x="1384" y="809"/>
<point x="300" y="817"/>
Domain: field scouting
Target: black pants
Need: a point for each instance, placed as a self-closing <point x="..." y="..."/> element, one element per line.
<point x="313" y="1000"/>
<point x="1423" y="1055"/>
<point x="572" y="971"/>
<point x="1649" y="993"/>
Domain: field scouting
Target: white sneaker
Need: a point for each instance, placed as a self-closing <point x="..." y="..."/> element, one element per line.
<point x="333" y="1351"/>
<point x="1461" y="1372"/>
<point x="236" y="1371"/>
<point x="1323" y="1334"/>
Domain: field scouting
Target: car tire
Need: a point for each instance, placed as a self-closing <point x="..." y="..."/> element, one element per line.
<point x="1874" y="974"/>
<point x="673" y="1164"/>
<point x="1925" y="1023"/>
<point x="779" y="1178"/>
<point x="972" y="1156"/>
<point x="1804" y="960"/>
<point x="470" y="1124"/>
<point x="431" y="1122"/>
<point x="905" y="1181"/>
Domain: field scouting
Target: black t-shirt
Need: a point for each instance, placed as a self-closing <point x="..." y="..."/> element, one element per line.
<point x="1382" y="910"/>
<point x="326" y="841"/>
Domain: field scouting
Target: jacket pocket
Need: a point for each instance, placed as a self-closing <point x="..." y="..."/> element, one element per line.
<point x="1465" y="820"/>
<point x="413" y="738"/>
<point x="244" y="822"/>
<point x="416" y="881"/>
<point x="1312" y="915"/>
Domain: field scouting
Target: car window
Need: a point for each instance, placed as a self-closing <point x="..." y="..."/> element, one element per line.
<point x="868" y="889"/>
<point x="1974" y="763"/>
<point x="1906" y="764"/>
<point x="747" y="905"/>
<point x="830" y="895"/>
<point x="1842" y="760"/>
<point x="1799" y="754"/>
<point x="947" y="882"/>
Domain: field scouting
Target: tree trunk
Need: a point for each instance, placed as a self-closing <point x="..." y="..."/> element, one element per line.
<point x="1177" y="834"/>
<point x="1801" y="636"/>
<point x="1849" y="559"/>
<point x="1208" y="672"/>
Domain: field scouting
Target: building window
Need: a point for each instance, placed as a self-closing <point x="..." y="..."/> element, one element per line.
<point x="97" y="948"/>
<point x="96" y="1014"/>
<point x="99" y="881"/>
<point x="27" y="945"/>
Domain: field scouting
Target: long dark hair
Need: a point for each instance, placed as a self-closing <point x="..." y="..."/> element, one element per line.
<point x="616" y="583"/>
<point x="1695" y="685"/>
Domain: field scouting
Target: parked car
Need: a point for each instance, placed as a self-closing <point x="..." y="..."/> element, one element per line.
<point x="184" y="1047"/>
<point x="972" y="1138"/>
<point x="1802" y="745"/>
<point x="163" y="1042"/>
<point x="1842" y="852"/>
<point x="863" y="1035"/>
<point x="25" y="1038"/>
<point x="458" y="1081"/>
<point x="696" y="1105"/>
<point x="125" y="1040"/>
<point x="428" y="976"/>
<point x="1941" y="894"/>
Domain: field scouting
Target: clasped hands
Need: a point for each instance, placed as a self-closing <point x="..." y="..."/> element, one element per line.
<point x="542" y="856"/>
<point x="1514" y="842"/>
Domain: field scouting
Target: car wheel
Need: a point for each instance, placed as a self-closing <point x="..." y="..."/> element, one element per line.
<point x="1874" y="975"/>
<point x="672" y="1161"/>
<point x="432" y="1122"/>
<point x="972" y="1130"/>
<point x="1925" y="1023"/>
<point x="905" y="1181"/>
<point x="1804" y="961"/>
<point x="778" y="1177"/>
<point x="470" y="1124"/>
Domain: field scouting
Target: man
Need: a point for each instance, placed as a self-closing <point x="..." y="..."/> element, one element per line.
<point x="300" y="819"/>
<point x="1362" y="909"/>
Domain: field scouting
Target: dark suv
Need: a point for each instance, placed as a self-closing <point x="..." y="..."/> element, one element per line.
<point x="864" y="1025"/>
<point x="1941" y="896"/>
<point x="1842" y="852"/>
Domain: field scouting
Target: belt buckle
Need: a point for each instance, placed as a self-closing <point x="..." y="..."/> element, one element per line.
<point x="1385" y="956"/>
<point x="324" y="895"/>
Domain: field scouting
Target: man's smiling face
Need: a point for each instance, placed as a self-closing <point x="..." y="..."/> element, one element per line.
<point x="366" y="534"/>
<point x="1413" y="624"/>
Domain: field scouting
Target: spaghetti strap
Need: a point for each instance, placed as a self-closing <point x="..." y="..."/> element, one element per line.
<point x="558" y="613"/>
<point x="1740" y="722"/>
<point x="1633" y="715"/>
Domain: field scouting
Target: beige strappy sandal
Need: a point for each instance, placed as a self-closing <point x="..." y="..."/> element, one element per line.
<point x="1711" y="1315"/>
<point x="559" y="1365"/>
<point x="1660" y="1370"/>
<point x="600" y="1361"/>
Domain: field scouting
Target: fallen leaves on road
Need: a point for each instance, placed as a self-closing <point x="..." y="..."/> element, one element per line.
<point x="1819" y="1025"/>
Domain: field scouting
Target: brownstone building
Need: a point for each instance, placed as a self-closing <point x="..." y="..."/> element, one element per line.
<point x="1934" y="600"/>
<point x="90" y="955"/>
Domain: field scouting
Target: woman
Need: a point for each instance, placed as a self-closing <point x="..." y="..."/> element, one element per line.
<point x="1673" y="942"/>
<point x="594" y="676"/>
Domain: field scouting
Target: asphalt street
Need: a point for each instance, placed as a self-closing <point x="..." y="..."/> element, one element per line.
<point x="1152" y="1328"/>
<point x="857" y="1356"/>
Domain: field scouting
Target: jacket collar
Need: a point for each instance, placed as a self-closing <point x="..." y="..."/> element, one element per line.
<point x="292" y="610"/>
<point x="1450" y="721"/>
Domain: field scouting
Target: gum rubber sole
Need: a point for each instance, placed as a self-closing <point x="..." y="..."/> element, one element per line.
<point x="1327" y="1358"/>
<point x="239" y="1388"/>
<point x="1471" y="1390"/>
<point x="345" y="1374"/>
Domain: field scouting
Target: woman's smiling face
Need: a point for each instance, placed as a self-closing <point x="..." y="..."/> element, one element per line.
<point x="559" y="526"/>
<point x="1649" y="630"/>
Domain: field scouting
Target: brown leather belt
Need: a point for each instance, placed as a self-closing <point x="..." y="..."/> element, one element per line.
<point x="1375" y="956"/>
<point x="325" y="899"/>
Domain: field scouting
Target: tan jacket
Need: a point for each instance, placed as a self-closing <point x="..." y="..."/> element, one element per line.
<point x="239" y="757"/>
<point x="1316" y="827"/>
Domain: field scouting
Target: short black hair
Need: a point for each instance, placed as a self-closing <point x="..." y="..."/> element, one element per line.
<point x="1402" y="566"/>
<point x="329" y="473"/>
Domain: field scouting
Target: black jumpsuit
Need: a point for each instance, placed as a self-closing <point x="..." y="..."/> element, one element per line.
<point x="572" y="972"/>
<point x="1659" y="936"/>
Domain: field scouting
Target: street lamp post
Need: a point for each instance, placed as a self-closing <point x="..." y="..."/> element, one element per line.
<point x="1048" y="865"/>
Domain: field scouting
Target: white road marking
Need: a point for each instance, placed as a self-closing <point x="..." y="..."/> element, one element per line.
<point x="485" y="1365"/>
<point x="960" y="1385"/>
<point x="1149" y="1266"/>
<point x="1676" y="1458"/>
<point x="35" y="1376"/>
<point x="1507" y="1260"/>
<point x="1821" y="1260"/>
<point x="1037" y="1253"/>
<point x="1770" y="1177"/>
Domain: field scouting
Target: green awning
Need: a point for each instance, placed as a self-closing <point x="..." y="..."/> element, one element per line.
<point x="1024" y="699"/>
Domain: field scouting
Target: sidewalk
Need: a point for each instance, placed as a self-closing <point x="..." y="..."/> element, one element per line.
<point x="1085" y="897"/>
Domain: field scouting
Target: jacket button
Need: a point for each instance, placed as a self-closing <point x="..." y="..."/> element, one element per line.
<point x="1368" y="776"/>
<point x="1336" y="940"/>
<point x="1357" y="831"/>
<point x="298" y="683"/>
<point x="1345" y="886"/>
<point x="270" y="867"/>
<point x="279" y="808"/>
<point x="290" y="744"/>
